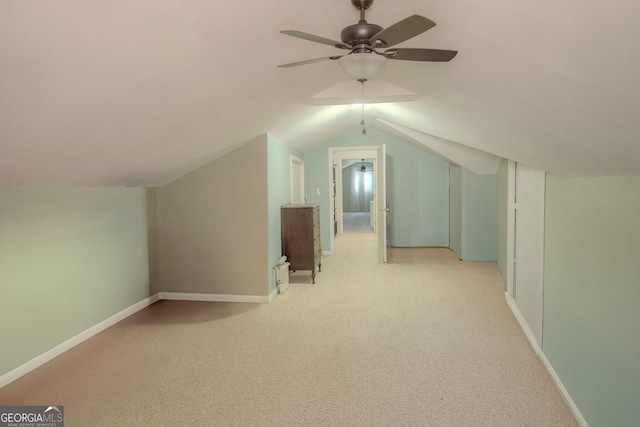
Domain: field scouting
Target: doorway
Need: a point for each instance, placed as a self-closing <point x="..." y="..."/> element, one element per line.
<point x="358" y="189"/>
<point x="377" y="156"/>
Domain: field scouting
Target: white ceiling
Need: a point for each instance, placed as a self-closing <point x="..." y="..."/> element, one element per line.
<point x="138" y="92"/>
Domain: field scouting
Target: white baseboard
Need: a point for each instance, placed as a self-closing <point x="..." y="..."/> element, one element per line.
<point x="556" y="379"/>
<point x="523" y="323"/>
<point x="74" y="341"/>
<point x="563" y="391"/>
<point x="182" y="296"/>
<point x="88" y="333"/>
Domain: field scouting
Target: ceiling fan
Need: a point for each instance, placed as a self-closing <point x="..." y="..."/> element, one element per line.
<point x="363" y="41"/>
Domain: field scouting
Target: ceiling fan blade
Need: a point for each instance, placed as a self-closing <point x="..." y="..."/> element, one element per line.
<point x="310" y="61"/>
<point x="408" y="54"/>
<point x="402" y="30"/>
<point x="317" y="39"/>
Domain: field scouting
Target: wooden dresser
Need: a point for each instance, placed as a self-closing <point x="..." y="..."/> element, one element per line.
<point x="301" y="237"/>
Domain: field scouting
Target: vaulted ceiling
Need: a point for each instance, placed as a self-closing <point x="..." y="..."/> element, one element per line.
<point x="138" y="92"/>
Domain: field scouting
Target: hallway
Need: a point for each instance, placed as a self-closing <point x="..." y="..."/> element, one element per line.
<point x="357" y="222"/>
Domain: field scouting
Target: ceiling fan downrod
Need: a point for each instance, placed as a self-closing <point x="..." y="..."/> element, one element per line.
<point x="358" y="35"/>
<point x="361" y="5"/>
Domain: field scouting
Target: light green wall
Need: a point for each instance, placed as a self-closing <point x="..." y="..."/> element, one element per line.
<point x="592" y="294"/>
<point x="279" y="178"/>
<point x="503" y="199"/>
<point x="69" y="259"/>
<point x="213" y="226"/>
<point x="316" y="175"/>
<point x="480" y="216"/>
<point x="418" y="186"/>
<point x="473" y="213"/>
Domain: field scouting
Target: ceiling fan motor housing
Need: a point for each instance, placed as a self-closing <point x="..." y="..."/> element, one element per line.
<point x="365" y="38"/>
<point x="361" y="4"/>
<point x="358" y="36"/>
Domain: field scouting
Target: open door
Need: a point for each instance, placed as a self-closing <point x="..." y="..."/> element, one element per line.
<point x="383" y="209"/>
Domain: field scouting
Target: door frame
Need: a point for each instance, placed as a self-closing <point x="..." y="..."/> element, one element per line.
<point x="511" y="228"/>
<point x="336" y="155"/>
<point x="381" y="206"/>
<point x="525" y="249"/>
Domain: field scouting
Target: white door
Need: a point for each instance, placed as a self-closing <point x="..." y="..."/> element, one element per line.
<point x="381" y="203"/>
<point x="528" y="246"/>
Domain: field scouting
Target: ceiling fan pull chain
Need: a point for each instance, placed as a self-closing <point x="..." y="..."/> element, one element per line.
<point x="364" y="131"/>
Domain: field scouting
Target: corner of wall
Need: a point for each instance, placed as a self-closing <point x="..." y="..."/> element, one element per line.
<point x="213" y="227"/>
<point x="154" y="245"/>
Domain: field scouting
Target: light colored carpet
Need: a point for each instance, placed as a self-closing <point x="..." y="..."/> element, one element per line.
<point x="356" y="222"/>
<point x="424" y="341"/>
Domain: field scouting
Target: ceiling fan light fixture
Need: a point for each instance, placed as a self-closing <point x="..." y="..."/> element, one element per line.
<point x="362" y="39"/>
<point x="362" y="66"/>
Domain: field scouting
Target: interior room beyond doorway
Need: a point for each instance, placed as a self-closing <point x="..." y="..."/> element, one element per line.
<point x="358" y="196"/>
<point x="357" y="222"/>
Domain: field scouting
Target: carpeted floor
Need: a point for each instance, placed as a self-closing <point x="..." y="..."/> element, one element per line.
<point x="357" y="222"/>
<point x="426" y="340"/>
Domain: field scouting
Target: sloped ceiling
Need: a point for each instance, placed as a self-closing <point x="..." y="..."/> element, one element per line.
<point x="136" y="93"/>
<point x="475" y="160"/>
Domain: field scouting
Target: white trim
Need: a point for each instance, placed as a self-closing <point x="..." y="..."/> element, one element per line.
<point x="380" y="204"/>
<point x="182" y="296"/>
<point x="74" y="341"/>
<point x="563" y="391"/>
<point x="554" y="376"/>
<point x="43" y="358"/>
<point x="273" y="294"/>
<point x="336" y="155"/>
<point x="40" y="360"/>
<point x="511" y="207"/>
<point x="523" y="323"/>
